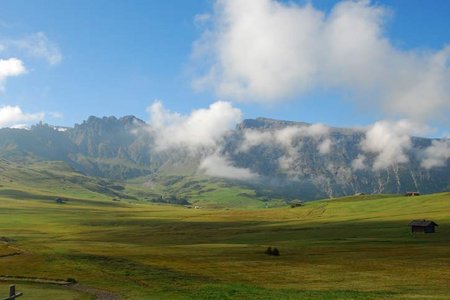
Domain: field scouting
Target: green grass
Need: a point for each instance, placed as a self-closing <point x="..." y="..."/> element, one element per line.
<point x="347" y="248"/>
<point x="201" y="191"/>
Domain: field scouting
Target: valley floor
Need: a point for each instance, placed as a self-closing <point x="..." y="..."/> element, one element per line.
<point x="349" y="248"/>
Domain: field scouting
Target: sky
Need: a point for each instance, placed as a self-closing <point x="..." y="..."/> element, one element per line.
<point x="341" y="63"/>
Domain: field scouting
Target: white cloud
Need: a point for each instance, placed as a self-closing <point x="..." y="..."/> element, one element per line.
<point x="13" y="116"/>
<point x="39" y="46"/>
<point x="287" y="136"/>
<point x="200" y="133"/>
<point x="257" y="50"/>
<point x="389" y="141"/>
<point x="437" y="154"/>
<point x="359" y="163"/>
<point x="10" y="67"/>
<point x="219" y="166"/>
<point x="325" y="146"/>
<point x="254" y="137"/>
<point x="203" y="128"/>
<point x="267" y="50"/>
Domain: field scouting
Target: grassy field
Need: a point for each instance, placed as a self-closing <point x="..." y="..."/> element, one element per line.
<point x="348" y="248"/>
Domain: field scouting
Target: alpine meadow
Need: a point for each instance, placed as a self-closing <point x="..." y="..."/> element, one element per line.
<point x="224" y="149"/>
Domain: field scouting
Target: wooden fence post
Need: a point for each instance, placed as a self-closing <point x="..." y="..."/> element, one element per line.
<point x="12" y="293"/>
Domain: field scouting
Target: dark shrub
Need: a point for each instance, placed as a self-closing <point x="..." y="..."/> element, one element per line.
<point x="71" y="280"/>
<point x="275" y="252"/>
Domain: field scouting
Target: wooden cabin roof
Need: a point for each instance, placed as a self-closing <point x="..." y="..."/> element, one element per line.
<point x="422" y="223"/>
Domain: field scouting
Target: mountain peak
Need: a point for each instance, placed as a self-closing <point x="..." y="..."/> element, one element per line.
<point x="130" y="119"/>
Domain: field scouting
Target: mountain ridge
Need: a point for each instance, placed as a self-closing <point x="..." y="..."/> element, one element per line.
<point x="125" y="148"/>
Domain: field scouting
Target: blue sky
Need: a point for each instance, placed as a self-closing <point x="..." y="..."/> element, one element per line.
<point x="117" y="57"/>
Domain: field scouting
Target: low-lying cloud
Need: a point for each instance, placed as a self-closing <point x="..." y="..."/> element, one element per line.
<point x="389" y="141"/>
<point x="437" y="154"/>
<point x="202" y="136"/>
<point x="288" y="139"/>
<point x="267" y="51"/>
<point x="359" y="162"/>
<point x="219" y="166"/>
<point x="287" y="136"/>
<point x="325" y="146"/>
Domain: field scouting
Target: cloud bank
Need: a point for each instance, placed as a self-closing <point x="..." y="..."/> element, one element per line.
<point x="267" y="51"/>
<point x="202" y="136"/>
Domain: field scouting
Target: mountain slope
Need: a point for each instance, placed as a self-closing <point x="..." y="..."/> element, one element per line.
<point x="331" y="174"/>
<point x="291" y="159"/>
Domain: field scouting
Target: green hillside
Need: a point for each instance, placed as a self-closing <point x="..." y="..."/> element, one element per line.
<point x="48" y="180"/>
<point x="347" y="248"/>
<point x="202" y="191"/>
<point x="51" y="179"/>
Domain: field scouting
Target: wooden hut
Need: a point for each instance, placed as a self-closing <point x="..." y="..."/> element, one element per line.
<point x="422" y="226"/>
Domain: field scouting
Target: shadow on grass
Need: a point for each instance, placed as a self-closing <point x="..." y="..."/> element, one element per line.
<point x="176" y="232"/>
<point x="21" y="195"/>
<point x="238" y="291"/>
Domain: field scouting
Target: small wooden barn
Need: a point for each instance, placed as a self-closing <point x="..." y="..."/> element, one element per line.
<point x="422" y="226"/>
